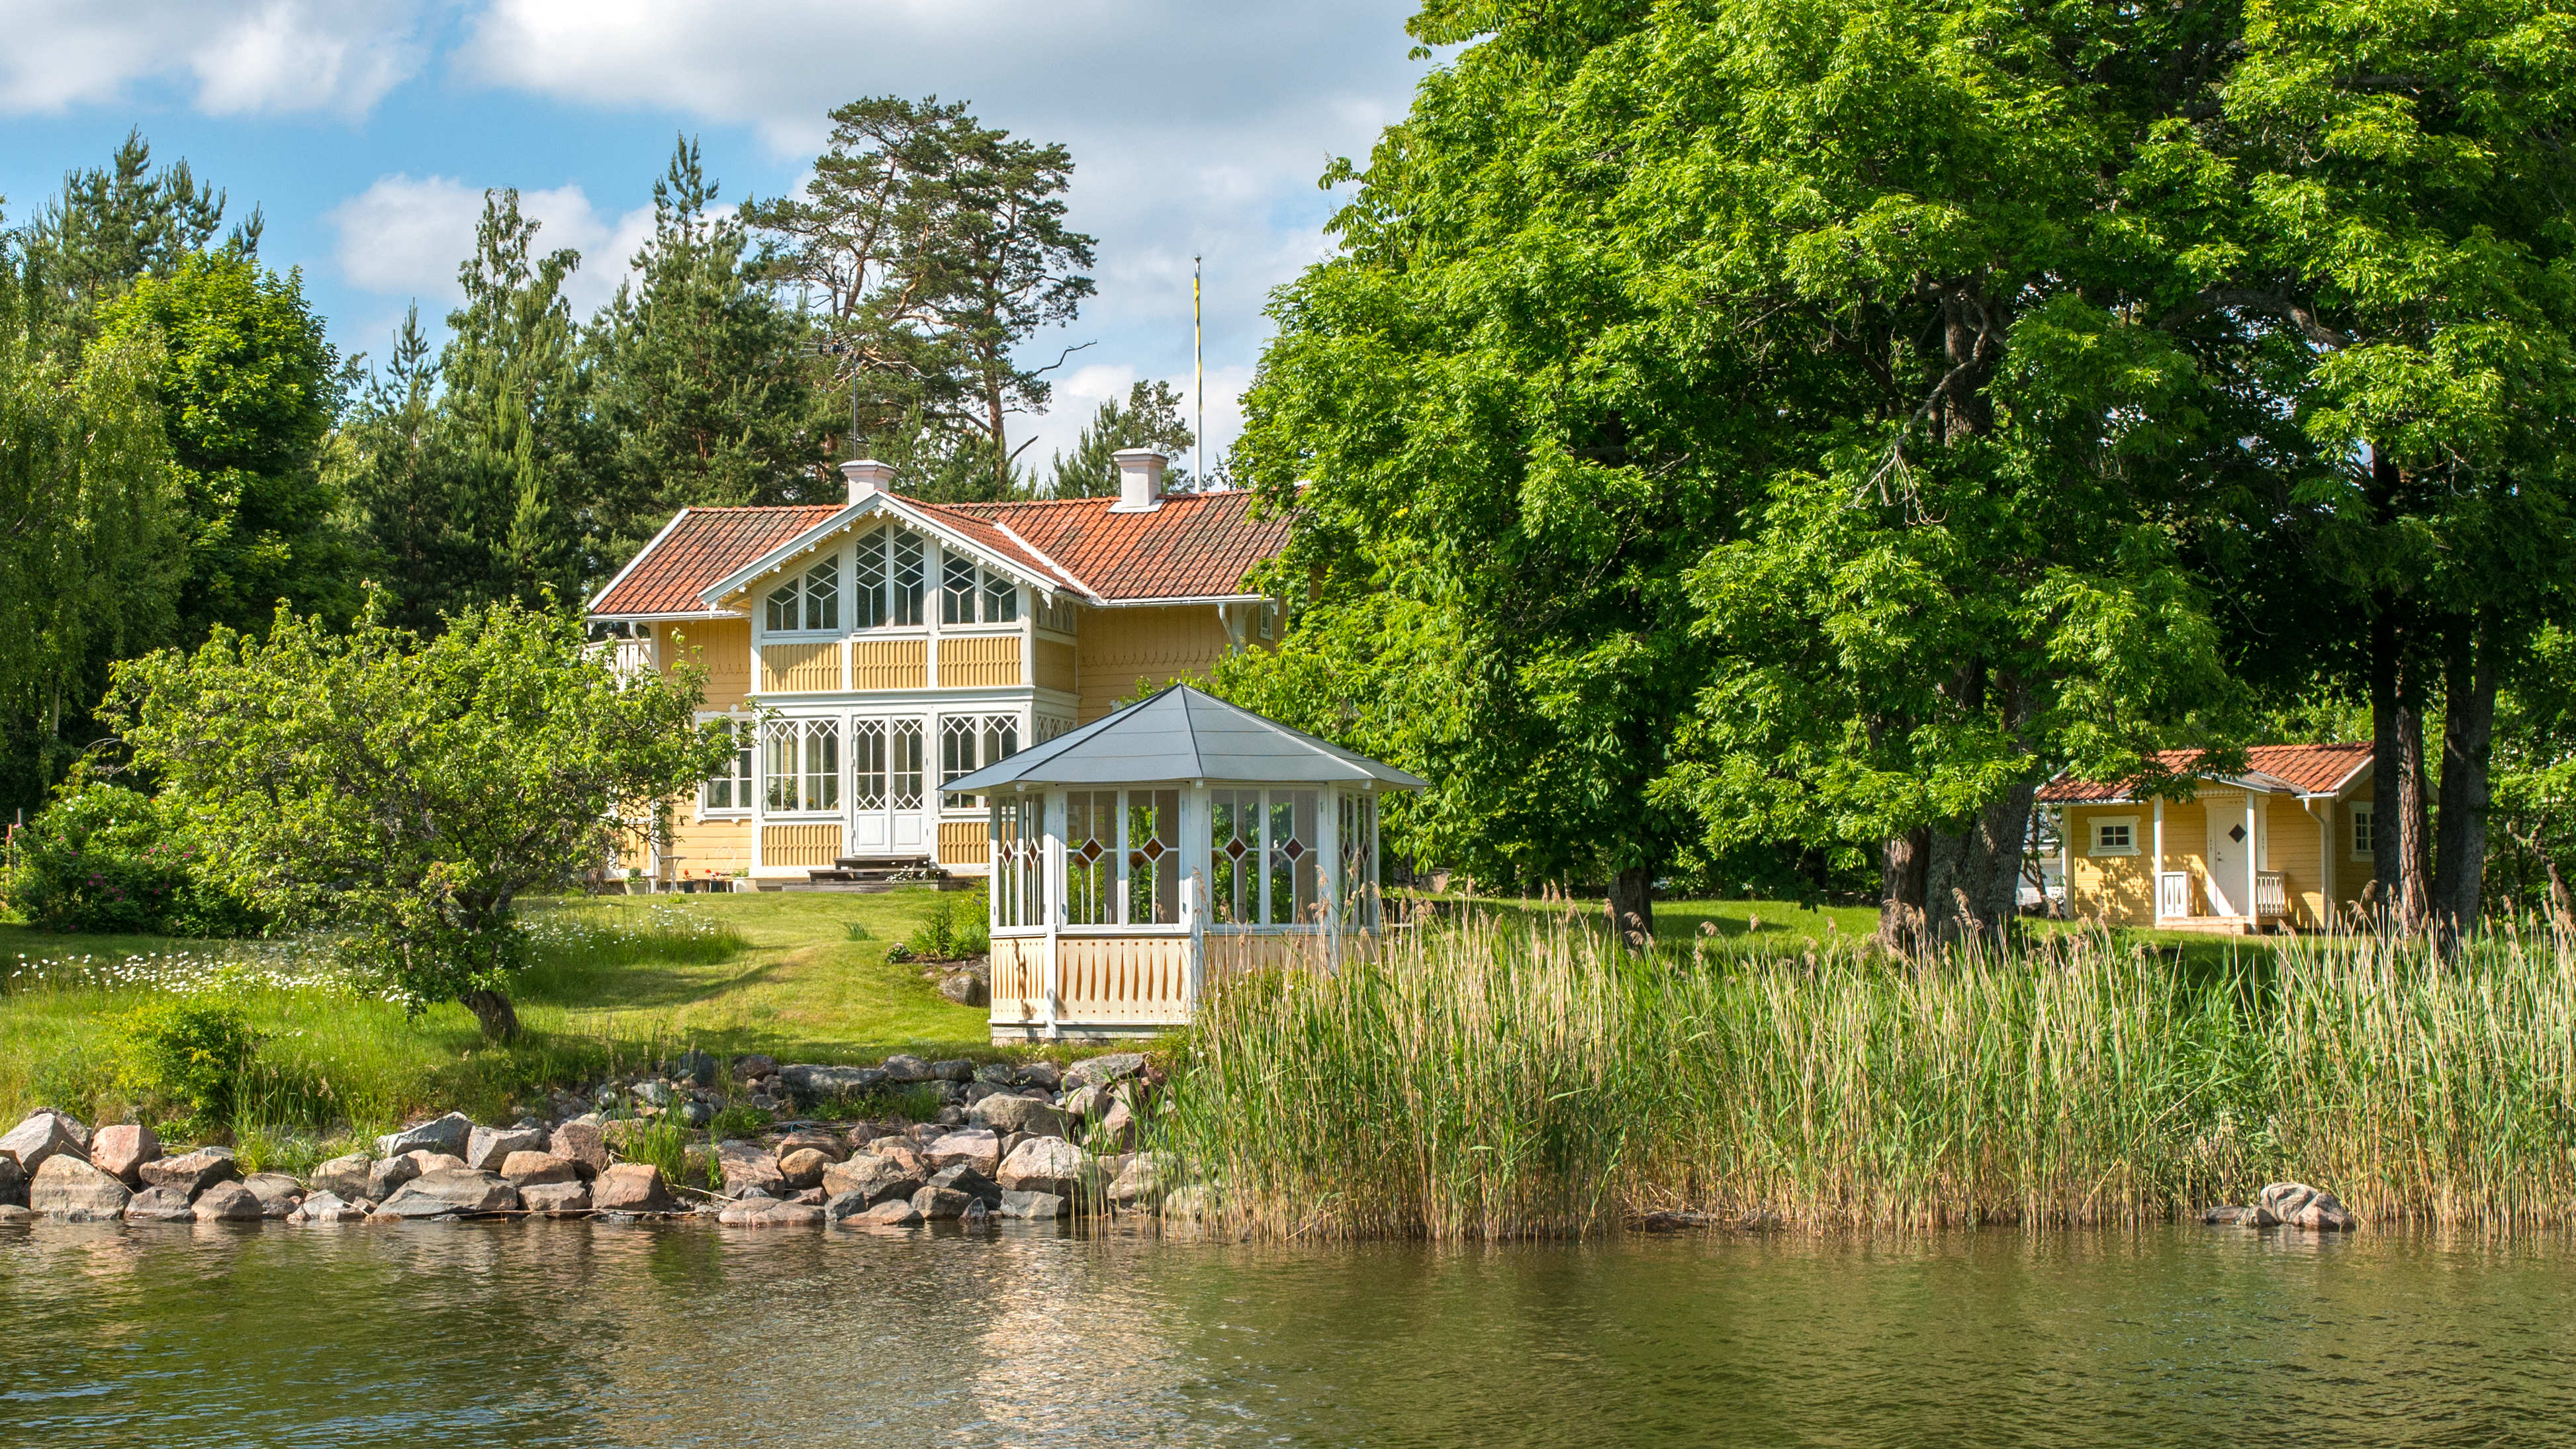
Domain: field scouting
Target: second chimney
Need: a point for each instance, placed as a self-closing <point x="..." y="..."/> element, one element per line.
<point x="867" y="476"/>
<point x="1140" y="480"/>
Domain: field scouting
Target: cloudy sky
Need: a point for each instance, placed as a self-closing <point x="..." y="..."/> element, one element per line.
<point x="366" y="132"/>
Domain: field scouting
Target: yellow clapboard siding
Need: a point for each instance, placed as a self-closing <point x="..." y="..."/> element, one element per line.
<point x="1055" y="665"/>
<point x="722" y="647"/>
<point x="979" y="661"/>
<point x="890" y="664"/>
<point x="1158" y="645"/>
<point x="965" y="842"/>
<point x="799" y="845"/>
<point x="790" y="668"/>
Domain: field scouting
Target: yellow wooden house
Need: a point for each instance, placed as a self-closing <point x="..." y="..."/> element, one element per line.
<point x="2286" y="844"/>
<point x="869" y="653"/>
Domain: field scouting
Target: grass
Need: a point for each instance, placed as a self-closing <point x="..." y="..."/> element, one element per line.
<point x="619" y="982"/>
<point x="1513" y="1076"/>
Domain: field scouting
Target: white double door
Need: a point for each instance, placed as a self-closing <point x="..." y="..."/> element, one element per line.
<point x="890" y="808"/>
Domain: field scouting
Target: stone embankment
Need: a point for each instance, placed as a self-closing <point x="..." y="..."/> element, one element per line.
<point x="1009" y="1140"/>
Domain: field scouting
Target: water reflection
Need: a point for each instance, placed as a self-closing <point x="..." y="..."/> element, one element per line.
<point x="567" y="1333"/>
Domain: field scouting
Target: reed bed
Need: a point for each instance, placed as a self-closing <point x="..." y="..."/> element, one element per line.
<point x="1501" y="1079"/>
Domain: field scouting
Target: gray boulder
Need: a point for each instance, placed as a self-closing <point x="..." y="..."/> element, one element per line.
<point x="583" y="1145"/>
<point x="42" y="1134"/>
<point x="533" y="1169"/>
<point x="907" y="1068"/>
<point x="327" y="1207"/>
<point x="1100" y="1071"/>
<point x="813" y="1139"/>
<point x="1004" y="1114"/>
<point x="996" y="1074"/>
<point x="228" y="1202"/>
<point x="966" y="988"/>
<point x="1118" y="1125"/>
<point x="874" y="1178"/>
<point x="1050" y="1164"/>
<point x="384" y="1178"/>
<point x="1038" y="1206"/>
<point x="1046" y="1075"/>
<point x="1139" y="1187"/>
<point x="1197" y="1202"/>
<point x="695" y="1068"/>
<point x="754" y="1067"/>
<point x="2312" y="1208"/>
<point x="486" y="1148"/>
<point x="278" y="1193"/>
<point x="632" y="1187"/>
<point x="893" y="1213"/>
<point x="2237" y="1215"/>
<point x="448" y="1134"/>
<point x="747" y="1166"/>
<point x="13" y="1183"/>
<point x="940" y="1204"/>
<point x="829" y="1084"/>
<point x="555" y="1199"/>
<point x="803" y="1168"/>
<point x="956" y="1069"/>
<point x="159" y="1205"/>
<point x="965" y="1179"/>
<point x="762" y="1212"/>
<point x="344" y="1178"/>
<point x="120" y="1150"/>
<point x="974" y="1147"/>
<point x="461" y="1191"/>
<point x="192" y="1173"/>
<point x="68" y="1188"/>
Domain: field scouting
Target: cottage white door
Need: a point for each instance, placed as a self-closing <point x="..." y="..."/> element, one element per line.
<point x="887" y="814"/>
<point x="2231" y="858"/>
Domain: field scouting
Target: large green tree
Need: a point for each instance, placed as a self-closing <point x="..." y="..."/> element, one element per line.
<point x="412" y="791"/>
<point x="1150" y="417"/>
<point x="126" y="220"/>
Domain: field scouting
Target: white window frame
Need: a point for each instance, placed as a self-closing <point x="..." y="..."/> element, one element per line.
<point x="795" y="732"/>
<point x="986" y="733"/>
<point x="744" y="782"/>
<point x="2365" y="816"/>
<point x="2094" y="826"/>
<point x="841" y="578"/>
<point x="882" y="540"/>
<point x="985" y="589"/>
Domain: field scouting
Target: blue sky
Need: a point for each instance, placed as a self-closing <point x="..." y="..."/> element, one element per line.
<point x="366" y="132"/>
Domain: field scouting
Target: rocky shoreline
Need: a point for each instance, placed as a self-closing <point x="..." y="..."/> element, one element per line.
<point x="1036" y="1141"/>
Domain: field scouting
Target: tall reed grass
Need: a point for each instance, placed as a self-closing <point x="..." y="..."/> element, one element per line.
<point x="1497" y="1080"/>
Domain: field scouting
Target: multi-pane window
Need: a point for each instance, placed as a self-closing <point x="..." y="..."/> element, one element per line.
<point x="1049" y="727"/>
<point x="2115" y="837"/>
<point x="968" y="743"/>
<point x="973" y="595"/>
<point x="2365" y="836"/>
<point x="1355" y="881"/>
<point x="1153" y="857"/>
<point x="809" y="602"/>
<point x="1018" y="855"/>
<point x="868" y="764"/>
<point x="1263" y="863"/>
<point x="906" y="754"/>
<point x="803" y="765"/>
<point x="731" y="788"/>
<point x="1091" y="857"/>
<point x="888" y="579"/>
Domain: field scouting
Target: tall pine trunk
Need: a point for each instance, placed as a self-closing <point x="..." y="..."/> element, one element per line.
<point x="2468" y="740"/>
<point x="2401" y="836"/>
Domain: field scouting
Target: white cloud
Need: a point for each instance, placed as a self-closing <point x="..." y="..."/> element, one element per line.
<point x="257" y="57"/>
<point x="406" y="236"/>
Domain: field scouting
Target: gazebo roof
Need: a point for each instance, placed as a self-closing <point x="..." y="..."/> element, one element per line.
<point x="1182" y="734"/>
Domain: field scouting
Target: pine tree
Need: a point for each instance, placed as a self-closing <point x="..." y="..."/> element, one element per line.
<point x="1151" y="419"/>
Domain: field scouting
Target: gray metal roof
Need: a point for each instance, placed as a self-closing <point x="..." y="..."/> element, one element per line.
<point x="1182" y="734"/>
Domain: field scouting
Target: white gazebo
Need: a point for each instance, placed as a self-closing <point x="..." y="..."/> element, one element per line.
<point x="1179" y="834"/>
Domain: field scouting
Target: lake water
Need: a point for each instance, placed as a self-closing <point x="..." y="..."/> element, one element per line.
<point x="573" y="1333"/>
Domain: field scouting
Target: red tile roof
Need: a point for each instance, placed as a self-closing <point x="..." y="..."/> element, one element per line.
<point x="2309" y="769"/>
<point x="700" y="547"/>
<point x="1194" y="546"/>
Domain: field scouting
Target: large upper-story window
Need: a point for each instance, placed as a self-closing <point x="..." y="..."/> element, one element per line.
<point x="888" y="579"/>
<point x="971" y="594"/>
<point x="808" y="602"/>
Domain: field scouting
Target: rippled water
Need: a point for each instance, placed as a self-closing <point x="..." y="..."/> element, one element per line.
<point x="572" y="1333"/>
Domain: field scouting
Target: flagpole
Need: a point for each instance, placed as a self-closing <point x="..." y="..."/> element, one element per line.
<point x="1198" y="378"/>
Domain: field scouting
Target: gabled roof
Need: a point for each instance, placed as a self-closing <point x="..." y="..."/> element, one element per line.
<point x="1195" y="546"/>
<point x="2311" y="769"/>
<point x="695" y="549"/>
<point x="1183" y="734"/>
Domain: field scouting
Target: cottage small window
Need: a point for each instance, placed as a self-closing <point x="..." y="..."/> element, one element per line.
<point x="1269" y="612"/>
<point x="2365" y="835"/>
<point x="809" y="603"/>
<point x="970" y="594"/>
<point x="730" y="789"/>
<point x="2117" y="835"/>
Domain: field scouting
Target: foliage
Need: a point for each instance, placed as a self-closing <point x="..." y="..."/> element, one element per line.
<point x="2535" y="780"/>
<point x="959" y="927"/>
<point x="412" y="791"/>
<point x="247" y="387"/>
<point x="106" y="859"/>
<point x="189" y="1052"/>
<point x="739" y="1121"/>
<point x="1150" y="418"/>
<point x="113" y="225"/>
<point x="936" y="247"/>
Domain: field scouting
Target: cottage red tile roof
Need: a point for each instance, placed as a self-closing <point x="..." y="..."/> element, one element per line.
<point x="2310" y="769"/>
<point x="699" y="548"/>
<point x="1194" y="546"/>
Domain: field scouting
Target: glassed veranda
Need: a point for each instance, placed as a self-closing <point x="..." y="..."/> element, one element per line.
<point x="1183" y="834"/>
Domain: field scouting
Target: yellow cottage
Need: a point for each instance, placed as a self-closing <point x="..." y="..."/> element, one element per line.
<point x="2285" y="845"/>
<point x="871" y="652"/>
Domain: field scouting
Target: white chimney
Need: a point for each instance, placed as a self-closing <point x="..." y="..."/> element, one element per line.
<point x="1140" y="480"/>
<point x="867" y="476"/>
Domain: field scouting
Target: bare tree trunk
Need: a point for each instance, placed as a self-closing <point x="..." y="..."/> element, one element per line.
<point x="2401" y="849"/>
<point x="1903" y="863"/>
<point x="1970" y="874"/>
<point x="2468" y="740"/>
<point x="1632" y="905"/>
<point x="499" y="1019"/>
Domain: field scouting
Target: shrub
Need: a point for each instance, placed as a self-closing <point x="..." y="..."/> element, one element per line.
<point x="957" y="928"/>
<point x="189" y="1053"/>
<point x="739" y="1121"/>
<point x="104" y="859"/>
